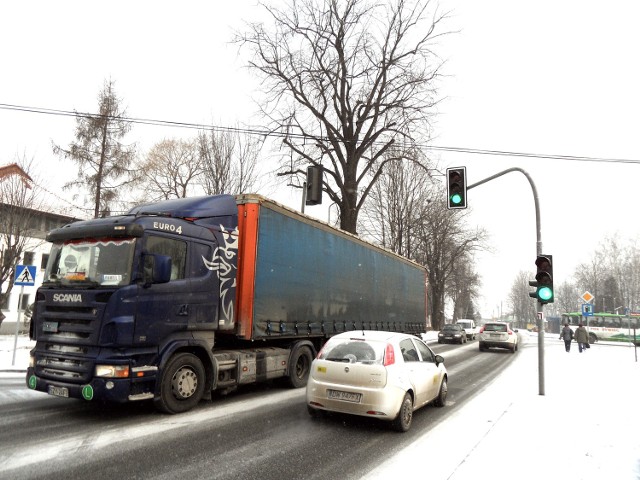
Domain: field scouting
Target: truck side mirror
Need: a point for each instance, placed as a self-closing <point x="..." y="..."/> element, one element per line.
<point x="157" y="268"/>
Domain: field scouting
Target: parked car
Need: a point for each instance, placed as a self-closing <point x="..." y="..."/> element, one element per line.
<point x="498" y="335"/>
<point x="384" y="375"/>
<point x="452" y="332"/>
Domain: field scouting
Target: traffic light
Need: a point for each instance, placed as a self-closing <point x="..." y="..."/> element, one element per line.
<point x="544" y="280"/>
<point x="457" y="187"/>
<point x="314" y="185"/>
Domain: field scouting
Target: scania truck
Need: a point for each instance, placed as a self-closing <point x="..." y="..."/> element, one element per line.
<point x="177" y="299"/>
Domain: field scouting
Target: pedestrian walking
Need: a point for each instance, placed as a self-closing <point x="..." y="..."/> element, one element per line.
<point x="582" y="338"/>
<point x="567" y="335"/>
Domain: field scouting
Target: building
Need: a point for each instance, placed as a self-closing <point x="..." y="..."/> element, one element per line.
<point x="35" y="252"/>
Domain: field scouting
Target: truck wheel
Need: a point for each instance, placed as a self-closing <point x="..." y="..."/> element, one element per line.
<point x="182" y="386"/>
<point x="299" y="367"/>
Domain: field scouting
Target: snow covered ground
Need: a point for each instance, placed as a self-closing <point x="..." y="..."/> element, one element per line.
<point x="585" y="427"/>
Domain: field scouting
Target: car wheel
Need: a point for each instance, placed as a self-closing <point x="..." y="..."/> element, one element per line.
<point x="439" y="341"/>
<point x="182" y="384"/>
<point x="402" y="422"/>
<point x="482" y="347"/>
<point x="441" y="399"/>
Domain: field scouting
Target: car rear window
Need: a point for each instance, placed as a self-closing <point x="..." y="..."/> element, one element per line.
<point x="494" y="327"/>
<point x="353" y="351"/>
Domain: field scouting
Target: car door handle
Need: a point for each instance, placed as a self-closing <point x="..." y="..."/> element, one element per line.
<point x="183" y="310"/>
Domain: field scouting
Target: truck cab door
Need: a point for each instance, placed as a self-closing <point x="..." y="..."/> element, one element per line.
<point x="163" y="308"/>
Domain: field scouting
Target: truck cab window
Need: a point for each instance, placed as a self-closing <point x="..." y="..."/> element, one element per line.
<point x="176" y="249"/>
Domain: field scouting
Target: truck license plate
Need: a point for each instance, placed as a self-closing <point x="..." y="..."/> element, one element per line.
<point x="58" y="391"/>
<point x="345" y="396"/>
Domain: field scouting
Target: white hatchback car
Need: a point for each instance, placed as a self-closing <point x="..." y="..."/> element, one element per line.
<point x="384" y="375"/>
<point x="499" y="335"/>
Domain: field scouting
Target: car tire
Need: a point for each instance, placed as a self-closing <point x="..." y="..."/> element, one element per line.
<point x="482" y="347"/>
<point x="402" y="423"/>
<point x="441" y="399"/>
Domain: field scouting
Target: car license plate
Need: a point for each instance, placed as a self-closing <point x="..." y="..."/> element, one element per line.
<point x="495" y="334"/>
<point x="58" y="391"/>
<point x="345" y="396"/>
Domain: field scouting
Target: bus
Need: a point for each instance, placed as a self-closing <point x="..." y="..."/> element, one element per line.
<point x="607" y="326"/>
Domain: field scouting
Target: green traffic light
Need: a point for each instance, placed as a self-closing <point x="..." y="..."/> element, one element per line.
<point x="456" y="199"/>
<point x="545" y="294"/>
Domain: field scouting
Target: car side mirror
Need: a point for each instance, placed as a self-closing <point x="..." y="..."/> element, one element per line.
<point x="439" y="359"/>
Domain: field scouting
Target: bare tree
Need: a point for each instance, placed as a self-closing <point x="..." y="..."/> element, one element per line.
<point x="401" y="216"/>
<point x="394" y="205"/>
<point x="19" y="206"/>
<point x="348" y="81"/>
<point x="103" y="161"/>
<point x="228" y="160"/>
<point x="523" y="307"/>
<point x="172" y="169"/>
<point x="567" y="297"/>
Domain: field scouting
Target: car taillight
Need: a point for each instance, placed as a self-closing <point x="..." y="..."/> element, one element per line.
<point x="389" y="355"/>
<point x="481" y="329"/>
<point x="510" y="332"/>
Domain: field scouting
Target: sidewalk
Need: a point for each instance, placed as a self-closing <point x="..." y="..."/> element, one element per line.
<point x="586" y="426"/>
<point x="21" y="362"/>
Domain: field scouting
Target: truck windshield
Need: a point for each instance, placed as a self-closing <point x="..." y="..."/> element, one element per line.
<point x="98" y="262"/>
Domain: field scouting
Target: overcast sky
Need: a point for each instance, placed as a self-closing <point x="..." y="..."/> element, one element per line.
<point x="556" y="78"/>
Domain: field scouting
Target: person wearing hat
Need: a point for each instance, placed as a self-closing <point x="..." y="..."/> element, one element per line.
<point x="582" y="338"/>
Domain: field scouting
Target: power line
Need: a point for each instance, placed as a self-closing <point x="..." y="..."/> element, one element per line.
<point x="280" y="134"/>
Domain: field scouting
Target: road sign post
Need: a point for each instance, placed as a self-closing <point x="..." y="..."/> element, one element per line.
<point x="25" y="277"/>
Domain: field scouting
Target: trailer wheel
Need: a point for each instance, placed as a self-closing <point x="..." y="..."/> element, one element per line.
<point x="182" y="387"/>
<point x="299" y="367"/>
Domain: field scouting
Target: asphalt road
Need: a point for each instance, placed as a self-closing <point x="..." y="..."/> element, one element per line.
<point x="260" y="432"/>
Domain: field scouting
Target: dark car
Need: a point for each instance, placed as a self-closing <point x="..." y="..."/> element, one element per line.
<point x="452" y="333"/>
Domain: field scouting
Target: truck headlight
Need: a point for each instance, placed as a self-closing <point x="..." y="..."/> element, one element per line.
<point x="112" y="371"/>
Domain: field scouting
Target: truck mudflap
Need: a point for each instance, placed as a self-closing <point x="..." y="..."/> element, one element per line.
<point x="113" y="390"/>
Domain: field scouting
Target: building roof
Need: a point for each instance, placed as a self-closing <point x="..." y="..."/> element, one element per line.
<point x="14" y="169"/>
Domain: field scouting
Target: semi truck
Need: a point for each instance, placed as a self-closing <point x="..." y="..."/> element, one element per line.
<point x="181" y="298"/>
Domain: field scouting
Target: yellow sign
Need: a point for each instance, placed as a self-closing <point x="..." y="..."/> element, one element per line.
<point x="587" y="297"/>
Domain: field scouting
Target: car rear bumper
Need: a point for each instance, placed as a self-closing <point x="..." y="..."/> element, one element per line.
<point x="381" y="403"/>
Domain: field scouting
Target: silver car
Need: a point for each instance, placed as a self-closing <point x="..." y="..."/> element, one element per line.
<point x="498" y="335"/>
<point x="376" y="374"/>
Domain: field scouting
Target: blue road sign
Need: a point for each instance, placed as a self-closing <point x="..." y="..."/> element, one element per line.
<point x="587" y="310"/>
<point x="25" y="275"/>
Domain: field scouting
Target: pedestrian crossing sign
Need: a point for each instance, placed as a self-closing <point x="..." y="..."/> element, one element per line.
<point x="25" y="275"/>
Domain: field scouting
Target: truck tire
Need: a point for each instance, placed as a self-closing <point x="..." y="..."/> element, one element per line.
<point x="182" y="384"/>
<point x="299" y="367"/>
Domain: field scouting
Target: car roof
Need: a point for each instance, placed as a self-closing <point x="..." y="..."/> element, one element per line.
<point x="379" y="335"/>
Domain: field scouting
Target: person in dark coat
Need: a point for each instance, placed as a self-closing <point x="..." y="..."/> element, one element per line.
<point x="567" y="335"/>
<point x="582" y="338"/>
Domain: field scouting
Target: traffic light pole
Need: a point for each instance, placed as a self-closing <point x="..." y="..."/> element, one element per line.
<point x="539" y="310"/>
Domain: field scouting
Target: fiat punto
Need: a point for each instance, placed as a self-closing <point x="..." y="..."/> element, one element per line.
<point x="384" y="375"/>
